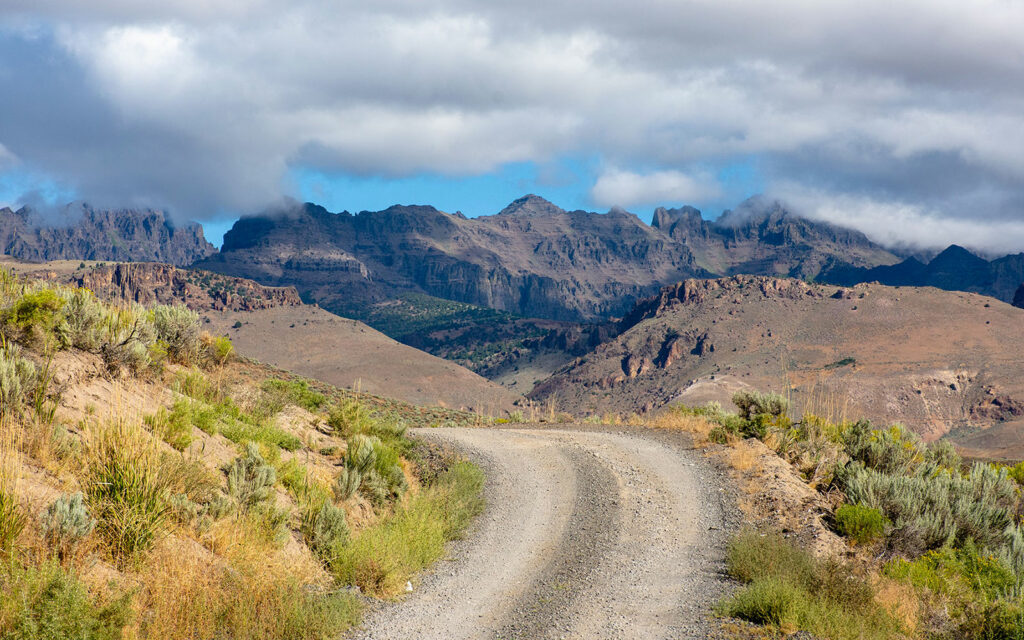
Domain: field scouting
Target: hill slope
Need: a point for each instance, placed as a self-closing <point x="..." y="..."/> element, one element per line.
<point x="275" y="327"/>
<point x="935" y="360"/>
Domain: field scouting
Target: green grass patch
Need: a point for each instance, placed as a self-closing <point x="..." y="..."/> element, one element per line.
<point x="381" y="559"/>
<point x="297" y="392"/>
<point x="859" y="523"/>
<point x="789" y="590"/>
<point x="46" y="602"/>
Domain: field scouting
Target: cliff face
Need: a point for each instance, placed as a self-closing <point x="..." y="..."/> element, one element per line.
<point x="80" y="232"/>
<point x="532" y="258"/>
<point x="152" y="283"/>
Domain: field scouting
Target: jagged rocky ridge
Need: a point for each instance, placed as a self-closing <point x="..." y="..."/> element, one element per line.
<point x="532" y="258"/>
<point x="81" y="232"/>
<point x="153" y="283"/>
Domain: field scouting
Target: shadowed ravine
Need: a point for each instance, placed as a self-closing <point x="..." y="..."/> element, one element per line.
<point x="587" y="534"/>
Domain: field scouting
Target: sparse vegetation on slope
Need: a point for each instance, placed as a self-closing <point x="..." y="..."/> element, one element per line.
<point x="921" y="518"/>
<point x="212" y="514"/>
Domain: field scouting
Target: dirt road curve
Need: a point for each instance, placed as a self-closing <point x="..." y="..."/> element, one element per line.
<point x="587" y="534"/>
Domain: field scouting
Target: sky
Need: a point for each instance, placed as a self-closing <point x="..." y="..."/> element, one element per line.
<point x="902" y="119"/>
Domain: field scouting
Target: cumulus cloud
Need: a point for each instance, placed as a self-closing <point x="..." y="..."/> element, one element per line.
<point x="205" y="107"/>
<point x="626" y="188"/>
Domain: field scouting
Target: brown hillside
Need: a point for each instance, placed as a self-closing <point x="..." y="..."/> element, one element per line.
<point x="278" y="329"/>
<point x="937" y="361"/>
<point x="347" y="353"/>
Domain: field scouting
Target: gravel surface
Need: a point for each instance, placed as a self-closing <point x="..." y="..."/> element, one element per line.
<point x="587" y="534"/>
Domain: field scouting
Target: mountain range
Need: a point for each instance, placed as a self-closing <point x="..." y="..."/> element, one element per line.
<point x="531" y="260"/>
<point x="81" y="232"/>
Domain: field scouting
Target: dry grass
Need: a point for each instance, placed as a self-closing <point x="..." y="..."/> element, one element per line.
<point x="699" y="426"/>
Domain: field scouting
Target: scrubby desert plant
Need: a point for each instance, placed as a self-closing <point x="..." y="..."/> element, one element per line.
<point x="894" y="450"/>
<point x="349" y="418"/>
<point x="755" y="403"/>
<point x="377" y="465"/>
<point x="66" y="522"/>
<point x="48" y="602"/>
<point x="250" y="479"/>
<point x="218" y="349"/>
<point x="85" y="315"/>
<point x="36" y="317"/>
<point x="932" y="507"/>
<point x="325" y="528"/>
<point x="297" y="392"/>
<point x="347" y="483"/>
<point x="177" y="327"/>
<point x="860" y="523"/>
<point x="17" y="379"/>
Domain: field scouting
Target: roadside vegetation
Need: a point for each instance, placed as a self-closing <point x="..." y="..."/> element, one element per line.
<point x="946" y="535"/>
<point x="241" y="505"/>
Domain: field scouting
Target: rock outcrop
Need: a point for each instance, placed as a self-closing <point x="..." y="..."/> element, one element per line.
<point x="81" y="232"/>
<point x="153" y="283"/>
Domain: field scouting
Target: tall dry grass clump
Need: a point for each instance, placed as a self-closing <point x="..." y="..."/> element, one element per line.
<point x="128" y="487"/>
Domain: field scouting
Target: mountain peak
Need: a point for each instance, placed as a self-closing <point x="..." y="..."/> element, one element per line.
<point x="955" y="254"/>
<point x="531" y="205"/>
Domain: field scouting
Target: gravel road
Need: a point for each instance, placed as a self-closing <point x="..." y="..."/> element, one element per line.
<point x="587" y="534"/>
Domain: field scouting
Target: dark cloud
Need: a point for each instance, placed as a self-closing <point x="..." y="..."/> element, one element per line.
<point x="904" y="119"/>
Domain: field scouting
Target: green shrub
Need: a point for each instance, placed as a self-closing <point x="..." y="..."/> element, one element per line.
<point x="790" y="590"/>
<point x="221" y="350"/>
<point x="130" y="339"/>
<point x="768" y="601"/>
<point x="85" y="316"/>
<point x="36" y="317"/>
<point x="752" y="555"/>
<point x="296" y="392"/>
<point x="250" y="479"/>
<point x="934" y="507"/>
<point x="173" y="427"/>
<point x="965" y="574"/>
<point x="382" y="558"/>
<point x="65" y="522"/>
<point x="378" y="467"/>
<point x="349" y="418"/>
<point x="754" y="403"/>
<point x="177" y="327"/>
<point x="17" y="379"/>
<point x="48" y="603"/>
<point x="894" y="450"/>
<point x="347" y="483"/>
<point x="859" y="523"/>
<point x="325" y="529"/>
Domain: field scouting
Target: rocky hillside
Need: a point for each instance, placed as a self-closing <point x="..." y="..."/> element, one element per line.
<point x="532" y="258"/>
<point x="81" y="232"/>
<point x="937" y="361"/>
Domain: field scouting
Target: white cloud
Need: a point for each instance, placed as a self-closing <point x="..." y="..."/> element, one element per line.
<point x="205" y="106"/>
<point x="625" y="188"/>
<point x="895" y="223"/>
